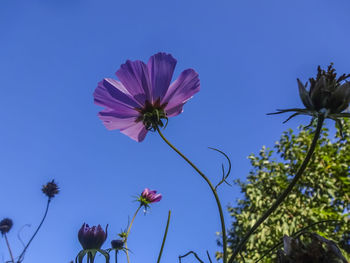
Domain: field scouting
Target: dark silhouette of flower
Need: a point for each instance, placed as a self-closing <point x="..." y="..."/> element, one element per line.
<point x="50" y="189"/>
<point x="5" y="225"/>
<point x="117" y="244"/>
<point x="144" y="97"/>
<point x="328" y="96"/>
<point x="92" y="237"/>
<point x="319" y="250"/>
<point x="149" y="196"/>
<point x="326" y="91"/>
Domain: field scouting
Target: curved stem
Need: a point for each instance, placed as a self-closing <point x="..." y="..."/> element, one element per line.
<point x="128" y="231"/>
<point x="285" y="193"/>
<point x="164" y="238"/>
<point x="189" y="253"/>
<point x="212" y="188"/>
<point x="36" y="231"/>
<point x="9" y="248"/>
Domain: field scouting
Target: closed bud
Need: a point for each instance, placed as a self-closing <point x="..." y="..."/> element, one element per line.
<point x="92" y="237"/>
<point x="117" y="244"/>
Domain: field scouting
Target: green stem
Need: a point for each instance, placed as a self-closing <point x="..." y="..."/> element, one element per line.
<point x="164" y="238"/>
<point x="223" y="230"/>
<point x="285" y="193"/>
<point x="128" y="231"/>
<point x="90" y="257"/>
<point x="36" y="231"/>
<point x="9" y="248"/>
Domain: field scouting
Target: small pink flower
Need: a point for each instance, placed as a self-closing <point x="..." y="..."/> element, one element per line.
<point x="149" y="196"/>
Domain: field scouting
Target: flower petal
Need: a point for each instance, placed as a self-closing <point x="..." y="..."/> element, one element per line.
<point x="135" y="78"/>
<point x="304" y="96"/>
<point x="318" y="95"/>
<point x="181" y="90"/>
<point x="112" y="94"/>
<point x="114" y="120"/>
<point x="157" y="198"/>
<point x="136" y="132"/>
<point x="145" y="192"/>
<point x="176" y="110"/>
<point x="160" y="68"/>
<point x="340" y="99"/>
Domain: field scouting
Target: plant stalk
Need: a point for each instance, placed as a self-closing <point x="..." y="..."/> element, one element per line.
<point x="223" y="229"/>
<point x="20" y="258"/>
<point x="164" y="238"/>
<point x="128" y="231"/>
<point x="9" y="248"/>
<point x="286" y="192"/>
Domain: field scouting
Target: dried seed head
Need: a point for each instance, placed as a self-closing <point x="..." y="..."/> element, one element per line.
<point x="50" y="189"/>
<point x="5" y="225"/>
<point x="328" y="92"/>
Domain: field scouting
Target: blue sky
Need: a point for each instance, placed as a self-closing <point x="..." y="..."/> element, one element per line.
<point x="52" y="54"/>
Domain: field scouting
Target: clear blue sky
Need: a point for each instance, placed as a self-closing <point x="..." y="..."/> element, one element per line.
<point x="52" y="54"/>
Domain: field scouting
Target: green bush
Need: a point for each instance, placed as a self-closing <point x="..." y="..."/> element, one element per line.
<point x="323" y="193"/>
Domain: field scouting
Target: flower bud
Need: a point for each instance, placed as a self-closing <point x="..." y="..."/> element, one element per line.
<point x="117" y="244"/>
<point x="5" y="225"/>
<point x="92" y="237"/>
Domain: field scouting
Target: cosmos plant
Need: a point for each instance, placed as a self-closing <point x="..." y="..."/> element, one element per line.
<point x="142" y="100"/>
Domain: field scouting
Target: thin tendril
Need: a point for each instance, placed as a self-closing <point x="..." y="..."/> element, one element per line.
<point x="36" y="231"/>
<point x="19" y="234"/>
<point x="286" y="192"/>
<point x="223" y="230"/>
<point x="209" y="257"/>
<point x="224" y="175"/>
<point x="194" y="254"/>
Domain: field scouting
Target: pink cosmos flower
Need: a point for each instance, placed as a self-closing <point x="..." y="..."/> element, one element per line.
<point x="144" y="95"/>
<point x="151" y="196"/>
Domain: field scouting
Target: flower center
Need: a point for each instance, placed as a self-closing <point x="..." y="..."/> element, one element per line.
<point x="152" y="115"/>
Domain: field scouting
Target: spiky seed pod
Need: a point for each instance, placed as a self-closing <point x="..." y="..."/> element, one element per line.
<point x="5" y="225"/>
<point x="50" y="189"/>
<point x="326" y="91"/>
